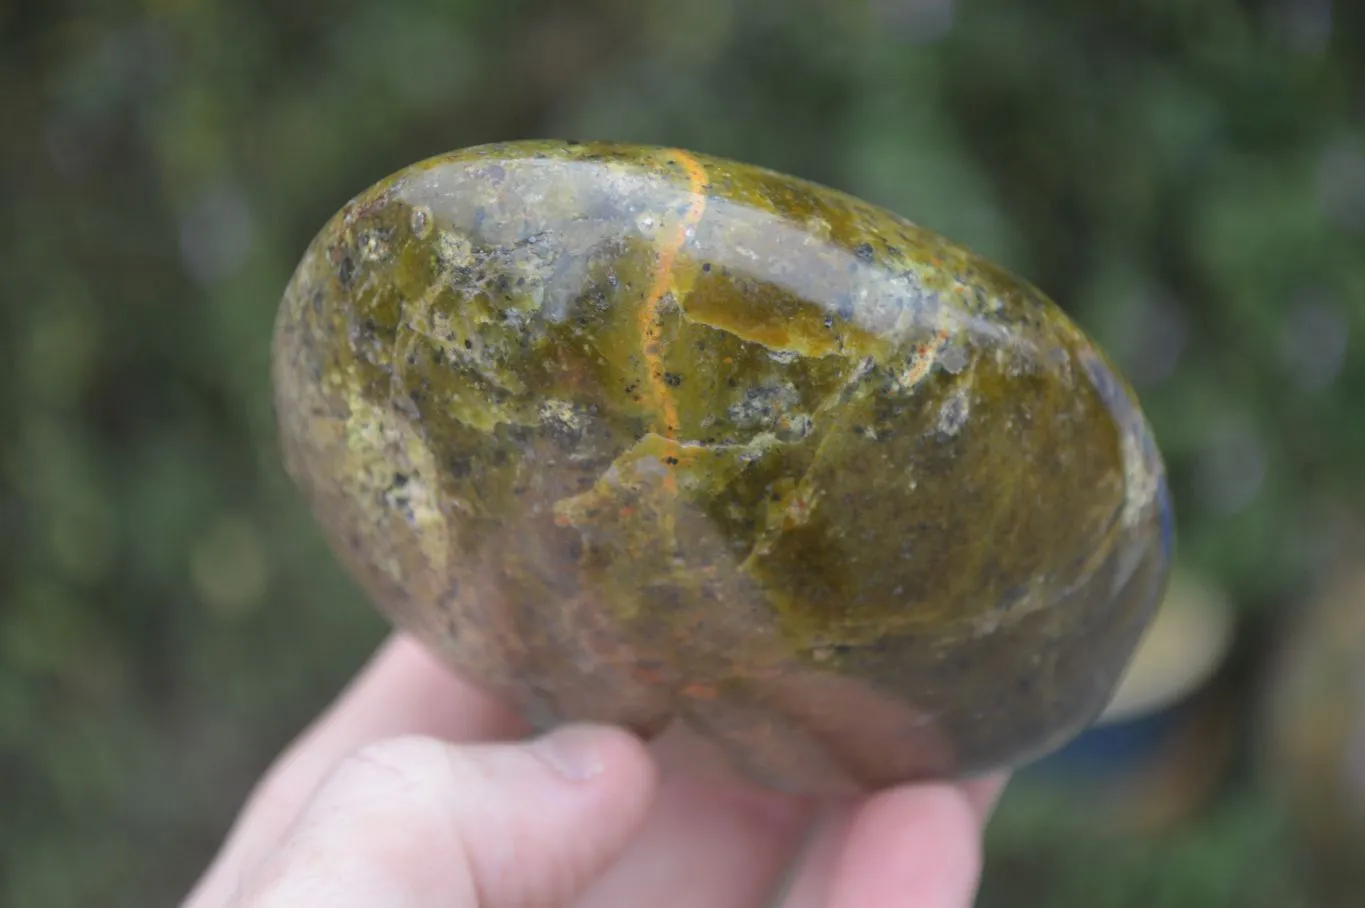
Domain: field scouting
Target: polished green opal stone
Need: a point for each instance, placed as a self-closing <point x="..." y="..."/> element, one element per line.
<point x="639" y="435"/>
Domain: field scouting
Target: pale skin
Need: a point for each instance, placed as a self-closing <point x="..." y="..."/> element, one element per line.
<point x="415" y="790"/>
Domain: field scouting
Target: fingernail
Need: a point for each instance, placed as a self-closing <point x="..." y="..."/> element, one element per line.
<point x="573" y="751"/>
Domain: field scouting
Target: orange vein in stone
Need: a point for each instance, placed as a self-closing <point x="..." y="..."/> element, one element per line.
<point x="925" y="355"/>
<point x="650" y="313"/>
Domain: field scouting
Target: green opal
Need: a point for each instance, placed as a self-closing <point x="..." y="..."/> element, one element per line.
<point x="638" y="435"/>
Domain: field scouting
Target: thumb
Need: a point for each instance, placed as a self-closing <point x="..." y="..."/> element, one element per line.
<point x="420" y="823"/>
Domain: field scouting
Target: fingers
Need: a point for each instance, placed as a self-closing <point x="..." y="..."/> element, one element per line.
<point x="915" y="845"/>
<point x="706" y="841"/>
<point x="402" y="691"/>
<point x="983" y="793"/>
<point x="711" y="838"/>
<point x="420" y="823"/>
<point x="704" y="844"/>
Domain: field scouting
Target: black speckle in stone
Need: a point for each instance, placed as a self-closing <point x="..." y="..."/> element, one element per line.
<point x="346" y="271"/>
<point x="672" y="379"/>
<point x="865" y="253"/>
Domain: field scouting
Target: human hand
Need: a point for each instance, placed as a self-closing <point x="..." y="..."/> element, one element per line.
<point x="416" y="790"/>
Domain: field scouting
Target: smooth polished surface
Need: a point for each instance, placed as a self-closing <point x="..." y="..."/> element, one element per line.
<point x="640" y="435"/>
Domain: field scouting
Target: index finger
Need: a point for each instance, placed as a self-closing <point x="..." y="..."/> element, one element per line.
<point x="403" y="690"/>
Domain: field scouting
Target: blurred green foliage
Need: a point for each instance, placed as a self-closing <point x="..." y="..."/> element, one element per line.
<point x="1187" y="178"/>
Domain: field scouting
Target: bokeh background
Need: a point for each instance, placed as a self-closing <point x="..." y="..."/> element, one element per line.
<point x="1187" y="179"/>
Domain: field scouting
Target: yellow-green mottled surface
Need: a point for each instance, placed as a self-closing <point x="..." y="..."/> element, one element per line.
<point x="642" y="436"/>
